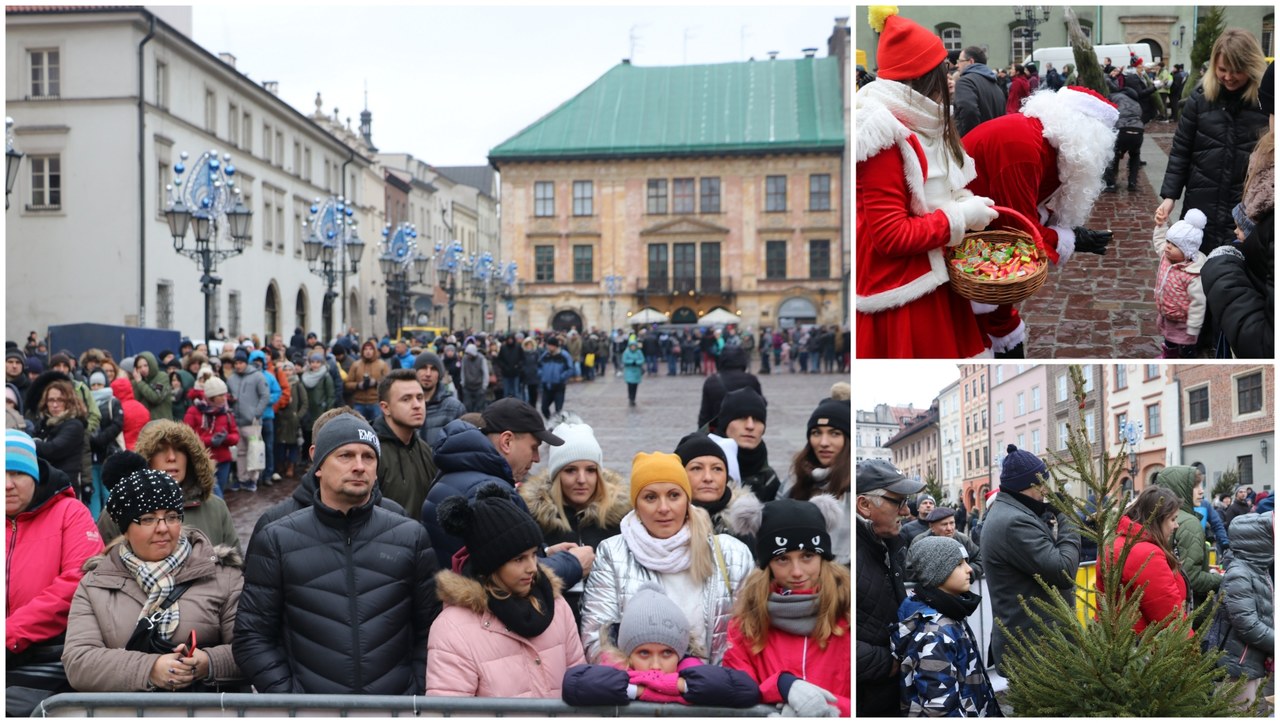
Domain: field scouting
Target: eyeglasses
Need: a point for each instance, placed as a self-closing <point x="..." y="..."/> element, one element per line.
<point x="55" y="400"/>
<point x="170" y="519"/>
<point x="898" y="502"/>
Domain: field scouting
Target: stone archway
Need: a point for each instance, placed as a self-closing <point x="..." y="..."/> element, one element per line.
<point x="271" y="310"/>
<point x="566" y="319"/>
<point x="302" y="308"/>
<point x="684" y="315"/>
<point x="797" y="311"/>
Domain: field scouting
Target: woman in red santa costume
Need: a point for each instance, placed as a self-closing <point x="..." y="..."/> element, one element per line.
<point x="1045" y="162"/>
<point x="911" y="201"/>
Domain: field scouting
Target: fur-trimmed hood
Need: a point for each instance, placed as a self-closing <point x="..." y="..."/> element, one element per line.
<point x="161" y="433"/>
<point x="466" y="592"/>
<point x="743" y="508"/>
<point x="536" y="492"/>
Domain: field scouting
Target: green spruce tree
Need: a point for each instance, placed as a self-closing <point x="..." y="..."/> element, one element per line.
<point x="1088" y="71"/>
<point x="1098" y="666"/>
<point x="933" y="488"/>
<point x="1226" y="484"/>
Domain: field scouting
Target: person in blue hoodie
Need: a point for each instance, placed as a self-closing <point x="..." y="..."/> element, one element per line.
<point x="274" y="390"/>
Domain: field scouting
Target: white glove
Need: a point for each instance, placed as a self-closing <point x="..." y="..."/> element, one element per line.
<point x="810" y="701"/>
<point x="977" y="212"/>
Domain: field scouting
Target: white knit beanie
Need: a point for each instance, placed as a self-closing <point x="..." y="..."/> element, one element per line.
<point x="579" y="444"/>
<point x="1188" y="233"/>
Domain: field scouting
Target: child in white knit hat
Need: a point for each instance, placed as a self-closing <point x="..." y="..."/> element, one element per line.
<point x="1180" y="298"/>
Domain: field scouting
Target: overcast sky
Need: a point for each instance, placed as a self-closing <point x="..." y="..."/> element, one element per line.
<point x="447" y="84"/>
<point x="899" y="383"/>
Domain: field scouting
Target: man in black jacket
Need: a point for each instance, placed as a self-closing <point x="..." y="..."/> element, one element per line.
<point x="338" y="597"/>
<point x="978" y="94"/>
<point x="882" y="501"/>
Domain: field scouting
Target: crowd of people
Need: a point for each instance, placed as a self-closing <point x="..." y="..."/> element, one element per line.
<point x="414" y="555"/>
<point x="939" y="143"/>
<point x="918" y="655"/>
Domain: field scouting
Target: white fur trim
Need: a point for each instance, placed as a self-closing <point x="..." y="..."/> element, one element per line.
<point x="909" y="292"/>
<point x="877" y="130"/>
<point x="1010" y="340"/>
<point x="980" y="308"/>
<point x="956" y="217"/>
<point x="1085" y="145"/>
<point x="1066" y="243"/>
<point x="1093" y="107"/>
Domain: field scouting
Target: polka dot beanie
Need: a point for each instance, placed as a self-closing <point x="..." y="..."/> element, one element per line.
<point x="142" y="491"/>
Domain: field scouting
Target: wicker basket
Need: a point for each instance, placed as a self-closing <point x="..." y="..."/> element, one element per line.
<point x="1002" y="291"/>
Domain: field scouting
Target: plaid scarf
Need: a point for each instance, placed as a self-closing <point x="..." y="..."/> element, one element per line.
<point x="156" y="580"/>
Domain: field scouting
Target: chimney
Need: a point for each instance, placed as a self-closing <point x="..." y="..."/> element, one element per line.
<point x="773" y="55"/>
<point x="272" y="86"/>
<point x="227" y="58"/>
<point x="809" y="52"/>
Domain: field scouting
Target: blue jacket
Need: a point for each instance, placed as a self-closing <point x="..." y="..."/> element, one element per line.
<point x="632" y="365"/>
<point x="588" y="685"/>
<point x="1209" y="517"/>
<point x="467" y="460"/>
<point x="273" y="395"/>
<point x="942" y="672"/>
<point x="555" y="369"/>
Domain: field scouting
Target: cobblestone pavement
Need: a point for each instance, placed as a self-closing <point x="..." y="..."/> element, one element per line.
<point x="666" y="409"/>
<point x="1104" y="306"/>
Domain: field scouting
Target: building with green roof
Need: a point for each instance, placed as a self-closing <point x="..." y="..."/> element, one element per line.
<point x="684" y="189"/>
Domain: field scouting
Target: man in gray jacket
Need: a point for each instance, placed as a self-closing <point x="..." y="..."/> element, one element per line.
<point x="1022" y="536"/>
<point x="249" y="391"/>
<point x="978" y="94"/>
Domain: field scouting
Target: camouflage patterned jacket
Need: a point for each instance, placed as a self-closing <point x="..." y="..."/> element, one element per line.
<point x="942" y="673"/>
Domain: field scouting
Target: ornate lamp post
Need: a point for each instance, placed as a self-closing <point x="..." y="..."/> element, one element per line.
<point x="612" y="284"/>
<point x="12" y="161"/>
<point x="1032" y="16"/>
<point x="400" y="257"/>
<point x="448" y="264"/>
<point x="210" y="198"/>
<point x="332" y="248"/>
<point x="480" y="276"/>
<point x="510" y="289"/>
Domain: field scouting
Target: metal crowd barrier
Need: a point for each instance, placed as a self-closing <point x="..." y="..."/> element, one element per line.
<point x="240" y="705"/>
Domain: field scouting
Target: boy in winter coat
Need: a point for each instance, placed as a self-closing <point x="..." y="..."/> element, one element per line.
<point x="1180" y="297"/>
<point x="1248" y="594"/>
<point x="942" y="670"/>
<point x="652" y="663"/>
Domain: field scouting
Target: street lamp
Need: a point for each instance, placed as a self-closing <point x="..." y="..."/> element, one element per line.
<point x="448" y="264"/>
<point x="510" y="289"/>
<point x="12" y="161"/>
<point x="1031" y="16"/>
<point x="332" y="248"/>
<point x="480" y="273"/>
<point x="612" y="285"/>
<point x="400" y="258"/>
<point x="210" y="198"/>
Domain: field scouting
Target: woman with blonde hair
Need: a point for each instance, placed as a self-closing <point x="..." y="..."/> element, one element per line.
<point x="1220" y="124"/>
<point x="665" y="539"/>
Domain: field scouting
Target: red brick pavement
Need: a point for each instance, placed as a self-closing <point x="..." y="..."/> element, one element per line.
<point x="1103" y="306"/>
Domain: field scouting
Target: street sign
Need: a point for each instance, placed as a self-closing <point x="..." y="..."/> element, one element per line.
<point x="488" y="315"/>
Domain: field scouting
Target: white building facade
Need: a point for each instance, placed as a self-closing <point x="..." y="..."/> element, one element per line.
<point x="951" y="446"/>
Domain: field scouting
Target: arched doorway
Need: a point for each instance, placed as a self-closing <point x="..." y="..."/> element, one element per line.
<point x="1157" y="51"/>
<point x="271" y="309"/>
<point x="326" y="317"/>
<point x="566" y="320"/>
<point x="797" y="311"/>
<point x="301" y="305"/>
<point x="684" y="315"/>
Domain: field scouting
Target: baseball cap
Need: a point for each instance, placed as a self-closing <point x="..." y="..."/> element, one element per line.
<point x="879" y="474"/>
<point x="515" y="415"/>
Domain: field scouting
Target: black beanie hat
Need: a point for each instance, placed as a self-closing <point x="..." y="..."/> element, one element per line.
<point x="1267" y="90"/>
<point x="739" y="404"/>
<point x="493" y="528"/>
<point x="832" y="413"/>
<point x="787" y="525"/>
<point x="697" y="445"/>
<point x="142" y="491"/>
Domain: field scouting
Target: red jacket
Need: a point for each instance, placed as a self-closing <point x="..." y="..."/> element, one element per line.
<point x="45" y="549"/>
<point x="1166" y="590"/>
<point x="1019" y="88"/>
<point x="207" y="422"/>
<point x="787" y="653"/>
<point x="136" y="415"/>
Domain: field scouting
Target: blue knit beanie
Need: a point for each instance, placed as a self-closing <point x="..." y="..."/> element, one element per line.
<point x="20" y="454"/>
<point x="1021" y="469"/>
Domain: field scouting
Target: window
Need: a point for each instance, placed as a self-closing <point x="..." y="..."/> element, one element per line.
<point x="1000" y="374"/>
<point x="266" y="142"/>
<point x="657" y="196"/>
<point x="46" y="183"/>
<point x="1062" y="387"/>
<point x="246" y="131"/>
<point x="986" y="457"/>
<point x="1062" y="434"/>
<point x="233" y="124"/>
<point x="1087" y="371"/>
<point x="820" y="192"/>
<point x="164" y="176"/>
<point x="684" y="260"/>
<point x="658" y="267"/>
<point x="582" y="198"/>
<point x="951" y="39"/>
<point x="1089" y="428"/>
<point x="211" y="112"/>
<point x="1152" y="372"/>
<point x="279" y="159"/>
<point x="775" y="259"/>
<point x="1249" y="393"/>
<point x="1035" y="398"/>
<point x="162" y="84"/>
<point x="1022" y="404"/>
<point x="1244" y="466"/>
<point x="233" y="313"/>
<point x="967" y="428"/>
<point x="164" y="304"/>
<point x="819" y="259"/>
<point x="544" y="199"/>
<point x="544" y="263"/>
<point x="999" y="412"/>
<point x="268" y="218"/>
<point x="710" y="279"/>
<point x="1122" y="377"/>
<point x="1022" y="441"/>
<point x="1198" y="405"/>
<point x="984" y="419"/>
<point x="982" y="383"/>
<point x="710" y="195"/>
<point x="306" y="163"/>
<point x="1153" y="420"/>
<point x="775" y="193"/>
<point x="1121" y="420"/>
<point x="279" y="222"/>
<point x="583" y="272"/>
<point x="682" y="195"/>
<point x="1035" y="441"/>
<point x="46" y="73"/>
<point x="1020" y="41"/>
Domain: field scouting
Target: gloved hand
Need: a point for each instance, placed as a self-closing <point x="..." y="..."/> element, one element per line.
<point x="977" y="212"/>
<point x="656" y="680"/>
<point x="218" y="439"/>
<point x="1226" y="250"/>
<point x="810" y="701"/>
<point x="1092" y="242"/>
<point x="649" y="695"/>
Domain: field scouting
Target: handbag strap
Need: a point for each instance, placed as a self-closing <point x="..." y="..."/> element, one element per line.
<point x="174" y="594"/>
<point x="724" y="571"/>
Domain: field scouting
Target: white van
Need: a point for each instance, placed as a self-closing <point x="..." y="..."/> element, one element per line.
<point x="1119" y="55"/>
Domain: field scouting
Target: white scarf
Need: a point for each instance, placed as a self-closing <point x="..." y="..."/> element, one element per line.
<point x="665" y="556"/>
<point x="1084" y="147"/>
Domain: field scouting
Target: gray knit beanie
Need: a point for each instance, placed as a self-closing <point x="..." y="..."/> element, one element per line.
<point x="344" y="429"/>
<point x="651" y="617"/>
<point x="934" y="558"/>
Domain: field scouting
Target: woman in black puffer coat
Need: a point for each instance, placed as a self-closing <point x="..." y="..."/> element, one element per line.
<point x="1220" y="124"/>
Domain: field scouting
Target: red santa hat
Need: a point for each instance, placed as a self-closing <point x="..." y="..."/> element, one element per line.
<point x="1091" y="103"/>
<point x="906" y="50"/>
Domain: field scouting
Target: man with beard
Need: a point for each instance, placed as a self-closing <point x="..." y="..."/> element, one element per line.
<point x="1046" y="162"/>
<point x="442" y="406"/>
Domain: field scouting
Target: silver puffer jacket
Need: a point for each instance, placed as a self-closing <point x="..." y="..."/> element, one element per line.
<point x="616" y="575"/>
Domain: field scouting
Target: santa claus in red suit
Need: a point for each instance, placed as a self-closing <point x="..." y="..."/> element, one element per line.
<point x="1047" y="163"/>
<point x="911" y="204"/>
